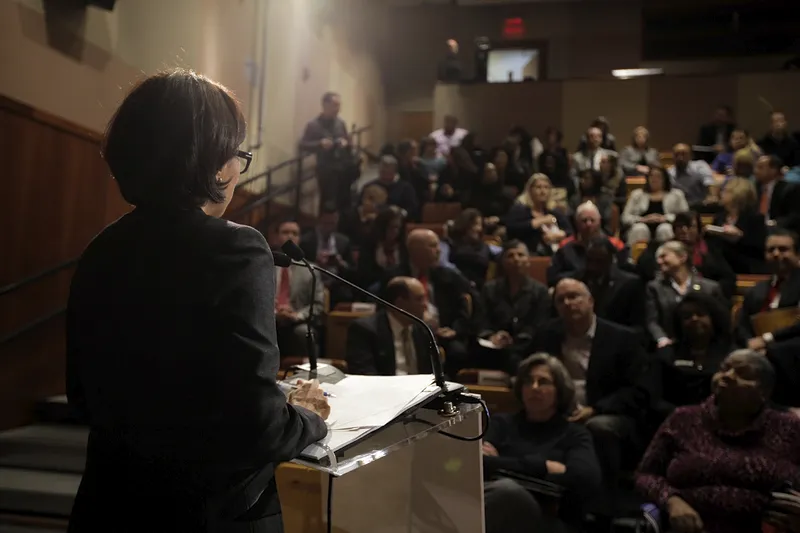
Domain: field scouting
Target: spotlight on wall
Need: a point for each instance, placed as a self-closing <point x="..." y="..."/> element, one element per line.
<point x="627" y="73"/>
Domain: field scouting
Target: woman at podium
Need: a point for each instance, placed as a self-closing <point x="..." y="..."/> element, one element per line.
<point x="540" y="469"/>
<point x="171" y="345"/>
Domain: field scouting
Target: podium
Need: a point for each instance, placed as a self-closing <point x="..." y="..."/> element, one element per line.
<point x="405" y="477"/>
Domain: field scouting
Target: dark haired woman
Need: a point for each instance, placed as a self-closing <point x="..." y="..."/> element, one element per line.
<point x="649" y="212"/>
<point x="171" y="343"/>
<point x="468" y="252"/>
<point x="384" y="249"/>
<point x="538" y="442"/>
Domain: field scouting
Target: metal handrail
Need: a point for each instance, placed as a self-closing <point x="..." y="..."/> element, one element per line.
<point x="11" y="287"/>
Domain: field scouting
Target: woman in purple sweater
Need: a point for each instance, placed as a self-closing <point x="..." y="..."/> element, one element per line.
<point x="713" y="466"/>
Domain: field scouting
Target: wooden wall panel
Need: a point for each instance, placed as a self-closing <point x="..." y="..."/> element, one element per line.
<point x="679" y="105"/>
<point x="757" y="93"/>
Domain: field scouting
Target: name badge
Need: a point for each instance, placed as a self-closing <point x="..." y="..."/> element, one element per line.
<point x="684" y="362"/>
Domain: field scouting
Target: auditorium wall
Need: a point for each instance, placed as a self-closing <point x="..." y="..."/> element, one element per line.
<point x="672" y="107"/>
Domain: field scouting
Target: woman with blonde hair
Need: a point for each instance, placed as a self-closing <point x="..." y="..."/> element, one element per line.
<point x="531" y="220"/>
<point x="739" y="231"/>
<point x="639" y="157"/>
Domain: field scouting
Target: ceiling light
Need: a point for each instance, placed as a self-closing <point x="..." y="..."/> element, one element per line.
<point x="625" y="73"/>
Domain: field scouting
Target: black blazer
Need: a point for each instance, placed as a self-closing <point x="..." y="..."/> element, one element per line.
<point x="661" y="301"/>
<point x="370" y="347"/>
<point x="707" y="136"/>
<point x="472" y="260"/>
<point x="712" y="266"/>
<point x="622" y="300"/>
<point x="518" y="225"/>
<point x="745" y="256"/>
<point x="617" y="365"/>
<point x="754" y="302"/>
<point x="784" y="205"/>
<point x="172" y="359"/>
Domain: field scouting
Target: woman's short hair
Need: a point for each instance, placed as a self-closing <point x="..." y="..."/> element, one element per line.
<point x="170" y="137"/>
<point x="720" y="315"/>
<point x="524" y="197"/>
<point x="664" y="178"/>
<point x="676" y="247"/>
<point x="636" y="130"/>
<point x="565" y="387"/>
<point x="463" y="222"/>
<point x="743" y="192"/>
<point x="597" y="180"/>
<point x="384" y="218"/>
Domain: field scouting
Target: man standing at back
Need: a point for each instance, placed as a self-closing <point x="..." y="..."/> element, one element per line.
<point x="327" y="137"/>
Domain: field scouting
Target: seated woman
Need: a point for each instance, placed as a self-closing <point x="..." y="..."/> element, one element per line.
<point x="723" y="164"/>
<point x="532" y="222"/>
<point x="470" y="255"/>
<point x="590" y="189"/>
<point x="739" y="231"/>
<point x="383" y="250"/>
<point x="554" y="161"/>
<point x="638" y="158"/>
<point x="682" y="372"/>
<point x="358" y="224"/>
<point x="538" y="442"/>
<point x="712" y="466"/>
<point x="434" y="166"/>
<point x="650" y="211"/>
<point x="487" y="193"/>
<point x="611" y="172"/>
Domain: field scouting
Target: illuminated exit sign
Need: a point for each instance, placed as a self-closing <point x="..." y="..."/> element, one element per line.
<point x="514" y="28"/>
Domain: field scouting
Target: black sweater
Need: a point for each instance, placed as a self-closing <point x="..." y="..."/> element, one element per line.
<point x="525" y="446"/>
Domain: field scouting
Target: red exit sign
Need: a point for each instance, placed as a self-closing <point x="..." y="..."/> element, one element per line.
<point x="514" y="27"/>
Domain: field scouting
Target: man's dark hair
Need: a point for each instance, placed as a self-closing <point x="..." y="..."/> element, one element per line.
<point x="328" y="97"/>
<point x="172" y="134"/>
<point x="511" y="244"/>
<point x="282" y="222"/>
<point x="395" y="289"/>
<point x="403" y="147"/>
<point x="774" y="162"/>
<point x="603" y="243"/>
<point x="685" y="219"/>
<point x="328" y="208"/>
<point x="783" y="232"/>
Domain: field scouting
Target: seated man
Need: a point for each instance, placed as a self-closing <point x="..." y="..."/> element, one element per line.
<point x="571" y="255"/>
<point x="513" y="306"/>
<point x="686" y="227"/>
<point x="388" y="343"/>
<point x="399" y="192"/>
<point x="293" y="299"/>
<point x="447" y="297"/>
<point x="330" y="249"/>
<point x="608" y="365"/>
<point x="618" y="295"/>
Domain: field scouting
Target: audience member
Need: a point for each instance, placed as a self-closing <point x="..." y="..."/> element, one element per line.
<point x="675" y="282"/>
<point x="712" y="466"/>
<point x="328" y="248"/>
<point x="399" y="192"/>
<point x="618" y="295"/>
<point x="293" y="298"/>
<point x="450" y="70"/>
<point x="571" y="255"/>
<point x="488" y="194"/>
<point x="744" y="164"/>
<point x="532" y="222"/>
<point x="779" y="142"/>
<point x="388" y="343"/>
<point x="694" y="178"/>
<point x="739" y="230"/>
<point x="468" y="160"/>
<point x="607" y="140"/>
<point x="448" y="136"/>
<point x="520" y="154"/>
<point x="327" y="137"/>
<point x="554" y="161"/>
<point x="612" y="175"/>
<point x="686" y="227"/>
<point x="434" y="165"/>
<point x="607" y="363"/>
<point x="778" y="200"/>
<point x="588" y="158"/>
<point x="739" y="140"/>
<point x="383" y="250"/>
<point x="538" y="442"/>
<point x="716" y="133"/>
<point x="512" y="308"/>
<point x="590" y="189"/>
<point x="639" y="157"/>
<point x="411" y="170"/>
<point x="649" y="212"/>
<point x="682" y="371"/>
<point x="468" y="252"/>
<point x="359" y="222"/>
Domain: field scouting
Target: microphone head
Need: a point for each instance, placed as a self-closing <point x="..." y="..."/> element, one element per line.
<point x="294" y="252"/>
<point x="281" y="259"/>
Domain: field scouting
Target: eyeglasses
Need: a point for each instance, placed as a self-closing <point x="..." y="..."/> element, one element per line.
<point x="245" y="158"/>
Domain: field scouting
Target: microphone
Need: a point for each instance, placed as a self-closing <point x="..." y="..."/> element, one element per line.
<point x="295" y="253"/>
<point x="281" y="259"/>
<point x="298" y="258"/>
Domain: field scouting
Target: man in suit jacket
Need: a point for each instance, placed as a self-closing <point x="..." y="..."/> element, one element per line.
<point x="717" y="133"/>
<point x="778" y="200"/>
<point x="449" y="297"/>
<point x="388" y="343"/>
<point x="618" y="296"/>
<point x="782" y="291"/>
<point x="400" y="192"/>
<point x="674" y="282"/>
<point x="608" y="365"/>
<point x="331" y="250"/>
<point x="294" y="299"/>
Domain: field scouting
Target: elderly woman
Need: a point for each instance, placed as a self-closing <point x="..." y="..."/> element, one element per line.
<point x="531" y="221"/>
<point x="650" y="211"/>
<point x="538" y="442"/>
<point x="712" y="466"/>
<point x="638" y="158"/>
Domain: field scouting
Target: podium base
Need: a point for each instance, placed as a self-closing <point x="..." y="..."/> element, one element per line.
<point x="324" y="373"/>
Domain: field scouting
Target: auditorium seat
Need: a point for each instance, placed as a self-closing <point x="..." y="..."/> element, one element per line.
<point x="615" y="216"/>
<point x="706" y="220"/>
<point x="537" y="267"/>
<point x="337" y="324"/>
<point x="498" y="399"/>
<point x="440" y="212"/>
<point x="745" y="282"/>
<point x="438" y="228"/>
<point x="637" y="249"/>
<point x="482" y="376"/>
<point x="632" y="183"/>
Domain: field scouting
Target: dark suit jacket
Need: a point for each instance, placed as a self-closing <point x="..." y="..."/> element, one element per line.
<point x="370" y="347"/>
<point x="518" y="225"/>
<point x="745" y="256"/>
<point x="401" y="194"/>
<point x="309" y="243"/>
<point x="622" y="300"/>
<point x="707" y="136"/>
<point x="754" y="302"/>
<point x="172" y="358"/>
<point x="784" y="206"/>
<point x="713" y="266"/>
<point x="617" y="366"/>
<point x="661" y="301"/>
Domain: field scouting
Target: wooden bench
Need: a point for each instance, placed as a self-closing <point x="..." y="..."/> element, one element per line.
<point x="440" y="212"/>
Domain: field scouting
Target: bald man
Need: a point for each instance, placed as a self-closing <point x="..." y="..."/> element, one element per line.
<point x="607" y="363"/>
<point x="448" y="297"/>
<point x="389" y="343"/>
<point x="694" y="178"/>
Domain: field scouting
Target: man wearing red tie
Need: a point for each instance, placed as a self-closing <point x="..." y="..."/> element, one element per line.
<point x="778" y="200"/>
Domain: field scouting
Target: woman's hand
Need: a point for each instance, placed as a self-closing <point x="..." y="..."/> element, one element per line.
<point x="784" y="510"/>
<point x="310" y="396"/>
<point x="502" y="339"/>
<point x="554" y="467"/>
<point x="489" y="450"/>
<point x="731" y="231"/>
<point x="682" y="517"/>
<point x="643" y="170"/>
<point x="543" y="220"/>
